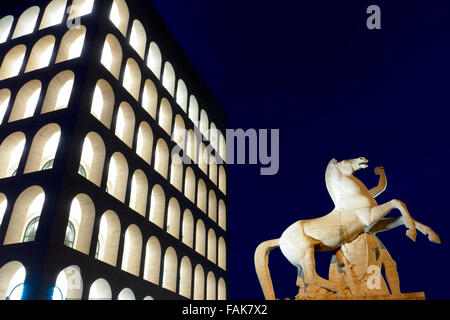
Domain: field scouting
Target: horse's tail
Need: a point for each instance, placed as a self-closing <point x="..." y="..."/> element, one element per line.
<point x="262" y="267"/>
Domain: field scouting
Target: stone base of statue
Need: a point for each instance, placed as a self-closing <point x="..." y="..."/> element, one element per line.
<point x="317" y="293"/>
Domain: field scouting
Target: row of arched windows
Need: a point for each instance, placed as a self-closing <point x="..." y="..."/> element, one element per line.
<point x="41" y="53"/>
<point x="53" y="15"/>
<point x="26" y="213"/>
<point x="125" y="127"/>
<point x="69" y="283"/>
<point x="26" y="101"/>
<point x="112" y="60"/>
<point x="92" y="168"/>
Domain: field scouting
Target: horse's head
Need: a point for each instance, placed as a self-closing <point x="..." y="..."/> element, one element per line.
<point x="348" y="167"/>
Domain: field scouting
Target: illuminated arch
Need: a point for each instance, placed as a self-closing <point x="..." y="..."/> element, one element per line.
<point x="157" y="206"/>
<point x="26" y="101"/>
<point x="120" y="15"/>
<point x="185" y="279"/>
<point x="125" y="124"/>
<point x="150" y="98"/>
<point x="72" y="44"/>
<point x="139" y="190"/>
<point x="11" y="152"/>
<point x="27" y="22"/>
<point x="43" y="148"/>
<point x="144" y="145"/>
<point x="169" y="78"/>
<point x="108" y="238"/>
<point x="12" y="62"/>
<point x="132" y="250"/>
<point x="58" y="92"/>
<point x="165" y="116"/>
<point x="199" y="283"/>
<point x="102" y="106"/>
<point x="152" y="260"/>
<point x="82" y="215"/>
<point x="154" y="60"/>
<point x="138" y="38"/>
<point x="188" y="229"/>
<point x="5" y="28"/>
<point x="170" y="270"/>
<point x="162" y="158"/>
<point x="93" y="157"/>
<point x="100" y="290"/>
<point x="70" y="284"/>
<point x="118" y="176"/>
<point x="5" y="97"/>
<point x="12" y="275"/>
<point x="53" y="14"/>
<point x="132" y="78"/>
<point x="173" y="218"/>
<point x="112" y="55"/>
<point x="200" y="238"/>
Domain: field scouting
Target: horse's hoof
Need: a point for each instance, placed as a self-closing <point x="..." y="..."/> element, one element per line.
<point x="411" y="234"/>
<point x="433" y="237"/>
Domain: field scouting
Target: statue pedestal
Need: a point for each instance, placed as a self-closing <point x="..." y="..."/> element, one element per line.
<point x="403" y="296"/>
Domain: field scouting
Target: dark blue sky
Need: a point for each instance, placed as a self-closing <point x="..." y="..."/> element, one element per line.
<point x="334" y="89"/>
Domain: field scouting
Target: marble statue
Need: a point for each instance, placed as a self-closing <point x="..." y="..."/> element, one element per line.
<point x="350" y="232"/>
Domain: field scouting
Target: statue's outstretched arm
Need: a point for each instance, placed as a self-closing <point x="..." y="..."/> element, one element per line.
<point x="382" y="183"/>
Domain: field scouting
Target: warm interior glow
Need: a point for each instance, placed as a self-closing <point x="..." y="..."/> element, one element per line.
<point x="127" y="78"/>
<point x="50" y="147"/>
<point x="3" y="205"/>
<point x="63" y="98"/>
<point x="112" y="175"/>
<point x="3" y="107"/>
<point x="31" y="103"/>
<point x="115" y="15"/>
<point x="17" y="65"/>
<point x="5" y="27"/>
<point x="46" y="56"/>
<point x="107" y="56"/>
<point x="87" y="154"/>
<point x="77" y="47"/>
<point x="18" y="278"/>
<point x="97" y="103"/>
<point x="16" y="154"/>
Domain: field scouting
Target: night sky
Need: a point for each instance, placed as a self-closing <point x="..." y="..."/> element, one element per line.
<point x="334" y="89"/>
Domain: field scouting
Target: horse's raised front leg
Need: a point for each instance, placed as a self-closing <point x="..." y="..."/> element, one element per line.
<point x="378" y="212"/>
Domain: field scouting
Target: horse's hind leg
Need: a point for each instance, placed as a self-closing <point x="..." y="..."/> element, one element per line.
<point x="311" y="276"/>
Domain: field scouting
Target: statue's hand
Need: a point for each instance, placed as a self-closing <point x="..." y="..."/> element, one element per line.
<point x="379" y="170"/>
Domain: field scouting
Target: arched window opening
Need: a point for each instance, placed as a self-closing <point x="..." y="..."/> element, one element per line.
<point x="200" y="238"/>
<point x="222" y="254"/>
<point x="212" y="246"/>
<point x="203" y="158"/>
<point x="157" y="206"/>
<point x="193" y="110"/>
<point x="199" y="283"/>
<point x="204" y="124"/>
<point x="24" y="220"/>
<point x="144" y="145"/>
<point x="3" y="206"/>
<point x="27" y="22"/>
<point x="53" y="14"/>
<point x="125" y="124"/>
<point x="58" y="92"/>
<point x="150" y="98"/>
<point x="120" y="15"/>
<point x="211" y="287"/>
<point x="170" y="270"/>
<point x="152" y="260"/>
<point x="185" y="278"/>
<point x="173" y="218"/>
<point x="12" y="62"/>
<point x="169" y="78"/>
<point x="192" y="146"/>
<point x="212" y="205"/>
<point x="201" y="195"/>
<point x="108" y="238"/>
<point x="139" y="190"/>
<point x="179" y="132"/>
<point x="154" y="59"/>
<point x="26" y="101"/>
<point x="12" y="278"/>
<point x="5" y="97"/>
<point x="213" y="169"/>
<point x="132" y="250"/>
<point x="72" y="44"/>
<point x="5" y="28"/>
<point x="165" y="116"/>
<point x="176" y="172"/>
<point x="93" y="158"/>
<point x="41" y="53"/>
<point x="189" y="185"/>
<point x="188" y="229"/>
<point x="100" y="290"/>
<point x="118" y="176"/>
<point x="112" y="55"/>
<point x="80" y="224"/>
<point x="69" y="284"/>
<point x="214" y="136"/>
<point x="222" y="180"/>
<point x="11" y="151"/>
<point x="162" y="158"/>
<point x="103" y="102"/>
<point x="222" y="290"/>
<point x="126" y="294"/>
<point x="138" y="38"/>
<point x="132" y="78"/>
<point x="182" y="95"/>
<point x="80" y="8"/>
<point x="43" y="149"/>
<point x="222" y="215"/>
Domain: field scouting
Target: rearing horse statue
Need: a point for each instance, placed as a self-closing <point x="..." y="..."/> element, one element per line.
<point x="355" y="212"/>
